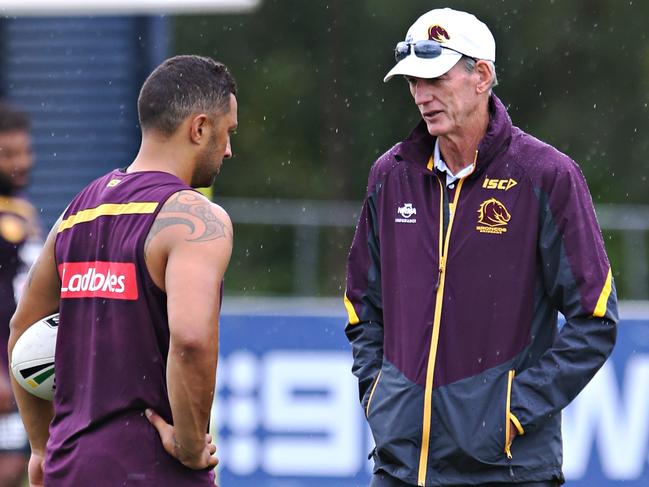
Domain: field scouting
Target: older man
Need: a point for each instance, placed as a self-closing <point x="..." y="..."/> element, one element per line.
<point x="473" y="236"/>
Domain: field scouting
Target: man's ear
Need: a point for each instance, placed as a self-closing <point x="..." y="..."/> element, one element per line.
<point x="198" y="128"/>
<point x="485" y="76"/>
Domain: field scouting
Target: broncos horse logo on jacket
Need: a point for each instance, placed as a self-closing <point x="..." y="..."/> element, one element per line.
<point x="493" y="213"/>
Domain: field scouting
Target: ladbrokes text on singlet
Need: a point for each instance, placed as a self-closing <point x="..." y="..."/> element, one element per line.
<point x="112" y="280"/>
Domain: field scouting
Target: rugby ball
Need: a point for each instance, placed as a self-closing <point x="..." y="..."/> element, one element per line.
<point x="32" y="360"/>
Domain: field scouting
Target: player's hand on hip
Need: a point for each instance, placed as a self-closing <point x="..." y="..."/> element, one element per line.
<point x="196" y="457"/>
<point x="35" y="470"/>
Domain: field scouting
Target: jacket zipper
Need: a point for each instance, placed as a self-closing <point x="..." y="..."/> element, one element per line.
<point x="369" y="401"/>
<point x="508" y="426"/>
<point x="439" y="290"/>
<point x="439" y="287"/>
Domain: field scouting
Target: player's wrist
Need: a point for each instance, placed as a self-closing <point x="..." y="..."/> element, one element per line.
<point x="188" y="450"/>
<point x="37" y="451"/>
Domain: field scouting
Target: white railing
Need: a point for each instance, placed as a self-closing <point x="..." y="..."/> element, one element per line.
<point x="307" y="217"/>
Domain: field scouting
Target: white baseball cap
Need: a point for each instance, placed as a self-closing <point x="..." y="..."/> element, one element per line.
<point x="456" y="32"/>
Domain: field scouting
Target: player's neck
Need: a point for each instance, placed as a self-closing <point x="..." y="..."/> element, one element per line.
<point x="162" y="155"/>
<point x="459" y="149"/>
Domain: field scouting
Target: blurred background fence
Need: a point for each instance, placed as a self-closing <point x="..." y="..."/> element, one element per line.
<point x="309" y="219"/>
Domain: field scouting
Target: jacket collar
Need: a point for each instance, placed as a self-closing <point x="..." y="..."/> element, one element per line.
<point x="418" y="146"/>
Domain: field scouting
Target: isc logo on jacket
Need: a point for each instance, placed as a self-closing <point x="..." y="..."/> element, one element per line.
<point x="99" y="279"/>
<point x="503" y="184"/>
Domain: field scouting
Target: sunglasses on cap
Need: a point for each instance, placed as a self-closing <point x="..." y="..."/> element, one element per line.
<point x="422" y="49"/>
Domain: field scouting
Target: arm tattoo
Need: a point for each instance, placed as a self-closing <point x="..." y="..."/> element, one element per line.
<point x="191" y="210"/>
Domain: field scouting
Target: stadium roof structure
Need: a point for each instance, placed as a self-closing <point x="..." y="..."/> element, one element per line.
<point x="11" y="8"/>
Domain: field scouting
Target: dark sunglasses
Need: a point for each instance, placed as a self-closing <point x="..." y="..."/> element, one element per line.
<point x="422" y="49"/>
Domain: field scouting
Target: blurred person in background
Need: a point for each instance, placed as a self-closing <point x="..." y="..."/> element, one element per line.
<point x="472" y="237"/>
<point x="19" y="236"/>
<point x="136" y="355"/>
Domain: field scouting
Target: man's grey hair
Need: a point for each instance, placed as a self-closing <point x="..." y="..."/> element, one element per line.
<point x="469" y="65"/>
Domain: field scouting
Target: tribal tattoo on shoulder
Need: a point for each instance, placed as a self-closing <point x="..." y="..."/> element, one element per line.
<point x="191" y="210"/>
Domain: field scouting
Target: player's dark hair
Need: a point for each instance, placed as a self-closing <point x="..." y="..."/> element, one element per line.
<point x="183" y="85"/>
<point x="12" y="119"/>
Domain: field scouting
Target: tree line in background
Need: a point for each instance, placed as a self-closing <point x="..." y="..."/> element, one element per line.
<point x="314" y="112"/>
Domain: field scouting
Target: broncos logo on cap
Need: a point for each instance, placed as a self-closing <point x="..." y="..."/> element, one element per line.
<point x="438" y="33"/>
<point x="493" y="213"/>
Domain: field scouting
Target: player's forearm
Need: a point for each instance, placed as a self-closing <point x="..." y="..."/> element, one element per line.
<point x="36" y="414"/>
<point x="191" y="372"/>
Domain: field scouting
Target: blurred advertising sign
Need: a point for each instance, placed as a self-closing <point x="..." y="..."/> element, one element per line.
<point x="122" y="7"/>
<point x="287" y="408"/>
<point x="606" y="429"/>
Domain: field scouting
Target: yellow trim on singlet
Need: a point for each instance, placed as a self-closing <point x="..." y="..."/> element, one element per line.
<point x="108" y="209"/>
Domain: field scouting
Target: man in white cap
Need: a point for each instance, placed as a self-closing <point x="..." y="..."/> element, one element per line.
<point x="472" y="238"/>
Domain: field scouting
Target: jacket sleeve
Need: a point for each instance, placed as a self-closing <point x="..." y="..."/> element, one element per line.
<point x="578" y="280"/>
<point x="363" y="301"/>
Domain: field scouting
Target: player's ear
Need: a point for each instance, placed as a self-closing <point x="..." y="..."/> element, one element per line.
<point x="485" y="76"/>
<point x="198" y="128"/>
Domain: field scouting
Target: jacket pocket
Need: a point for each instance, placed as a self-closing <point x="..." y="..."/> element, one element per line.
<point x="473" y="413"/>
<point x="369" y="400"/>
